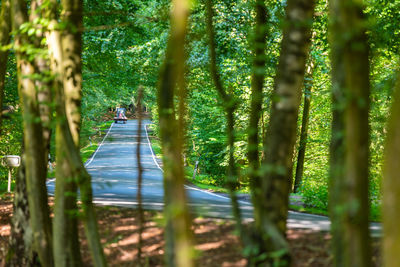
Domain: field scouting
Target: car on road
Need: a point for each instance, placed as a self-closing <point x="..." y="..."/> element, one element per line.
<point x="120" y="115"/>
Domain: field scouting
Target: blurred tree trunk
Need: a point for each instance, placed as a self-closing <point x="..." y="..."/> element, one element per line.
<point x="229" y="104"/>
<point x="179" y="241"/>
<point x="391" y="186"/>
<point x="257" y="83"/>
<point x="65" y="54"/>
<point x="42" y="67"/>
<point x="35" y="162"/>
<point x="349" y="207"/>
<point x="272" y="207"/>
<point x="5" y="30"/>
<point x="71" y="40"/>
<point x="140" y="216"/>
<point x="65" y="222"/>
<point x="308" y="84"/>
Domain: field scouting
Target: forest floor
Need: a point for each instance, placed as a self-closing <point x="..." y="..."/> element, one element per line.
<point x="216" y="245"/>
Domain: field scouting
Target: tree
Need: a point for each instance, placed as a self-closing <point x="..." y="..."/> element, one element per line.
<point x="21" y="251"/>
<point x="5" y="30"/>
<point x="229" y="103"/>
<point x="178" y="236"/>
<point x="349" y="153"/>
<point x="271" y="207"/>
<point x="391" y="185"/>
<point x="65" y="49"/>
<point x="308" y="83"/>
<point x="33" y="140"/>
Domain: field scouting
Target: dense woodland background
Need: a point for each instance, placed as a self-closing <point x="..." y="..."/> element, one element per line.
<point x="286" y="96"/>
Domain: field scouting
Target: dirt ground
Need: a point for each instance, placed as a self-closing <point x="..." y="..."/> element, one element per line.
<point x="216" y="245"/>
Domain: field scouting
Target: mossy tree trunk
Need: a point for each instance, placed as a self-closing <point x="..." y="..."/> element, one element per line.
<point x="65" y="222"/>
<point x="272" y="207"/>
<point x="391" y="186"/>
<point x="179" y="241"/>
<point x="35" y="162"/>
<point x="65" y="57"/>
<point x="349" y="207"/>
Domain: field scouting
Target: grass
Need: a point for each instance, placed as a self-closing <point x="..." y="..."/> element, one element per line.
<point x="207" y="183"/>
<point x="93" y="134"/>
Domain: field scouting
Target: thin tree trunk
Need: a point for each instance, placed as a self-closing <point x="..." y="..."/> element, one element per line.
<point x="33" y="140"/>
<point x="5" y="30"/>
<point x="391" y="186"/>
<point x="257" y="83"/>
<point x="229" y="105"/>
<point x="179" y="240"/>
<point x="350" y="135"/>
<point x="140" y="178"/>
<point x="308" y="83"/>
<point x="281" y="133"/>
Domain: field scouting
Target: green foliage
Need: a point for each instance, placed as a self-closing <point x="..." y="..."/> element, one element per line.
<point x="124" y="44"/>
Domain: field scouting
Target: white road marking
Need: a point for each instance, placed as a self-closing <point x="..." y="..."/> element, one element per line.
<point x="187" y="186"/>
<point x="94" y="154"/>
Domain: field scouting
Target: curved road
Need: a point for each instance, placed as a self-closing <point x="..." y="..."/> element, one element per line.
<point x="114" y="179"/>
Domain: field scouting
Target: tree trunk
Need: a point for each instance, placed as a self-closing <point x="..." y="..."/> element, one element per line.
<point x="281" y="133"/>
<point x="43" y="83"/>
<point x="229" y="104"/>
<point x="140" y="216"/>
<point x="178" y="236"/>
<point x="33" y="143"/>
<point x="5" y="30"/>
<point x="73" y="172"/>
<point x="71" y="40"/>
<point x="20" y="250"/>
<point x="65" y="223"/>
<point x="257" y="82"/>
<point x="308" y="83"/>
<point x="391" y="186"/>
<point x="349" y="207"/>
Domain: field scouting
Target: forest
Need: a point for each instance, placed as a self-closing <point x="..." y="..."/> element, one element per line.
<point x="275" y="105"/>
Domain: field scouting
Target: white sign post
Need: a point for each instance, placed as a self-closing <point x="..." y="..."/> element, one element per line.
<point x="10" y="161"/>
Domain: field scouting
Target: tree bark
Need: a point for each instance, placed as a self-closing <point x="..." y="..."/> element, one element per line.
<point x="281" y="133"/>
<point x="73" y="172"/>
<point x="308" y="83"/>
<point x="257" y="82"/>
<point x="42" y="68"/>
<point x="33" y="140"/>
<point x="391" y="186"/>
<point x="71" y="40"/>
<point x="229" y="104"/>
<point x="178" y="236"/>
<point x="65" y="223"/>
<point x="349" y="207"/>
<point x="20" y="249"/>
<point x="5" y="30"/>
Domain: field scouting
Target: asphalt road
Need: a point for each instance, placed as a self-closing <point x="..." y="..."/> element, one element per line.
<point x="114" y="180"/>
